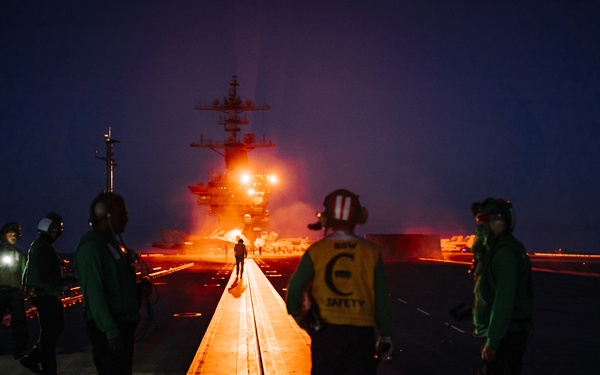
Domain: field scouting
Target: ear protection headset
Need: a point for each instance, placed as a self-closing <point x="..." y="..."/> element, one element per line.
<point x="101" y="210"/>
<point x="100" y="207"/>
<point x="498" y="206"/>
<point x="513" y="217"/>
<point x="342" y="207"/>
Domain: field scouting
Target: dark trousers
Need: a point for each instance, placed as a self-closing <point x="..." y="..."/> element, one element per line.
<point x="239" y="265"/>
<point x="11" y="299"/>
<point x="52" y="323"/>
<point x="343" y="350"/>
<point x="108" y="362"/>
<point x="509" y="356"/>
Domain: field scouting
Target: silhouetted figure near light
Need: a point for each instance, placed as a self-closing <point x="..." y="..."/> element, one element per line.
<point x="240" y="253"/>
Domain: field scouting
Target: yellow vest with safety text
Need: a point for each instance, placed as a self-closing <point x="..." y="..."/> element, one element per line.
<point x="343" y="286"/>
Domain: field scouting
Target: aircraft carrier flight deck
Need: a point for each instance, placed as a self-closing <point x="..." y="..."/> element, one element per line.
<point x="201" y="323"/>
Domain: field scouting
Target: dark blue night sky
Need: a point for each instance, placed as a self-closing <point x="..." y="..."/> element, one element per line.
<point x="421" y="107"/>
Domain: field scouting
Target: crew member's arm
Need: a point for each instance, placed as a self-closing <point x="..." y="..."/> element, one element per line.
<point x="89" y="273"/>
<point x="304" y="274"/>
<point x="22" y="264"/>
<point x="505" y="267"/>
<point x="383" y="312"/>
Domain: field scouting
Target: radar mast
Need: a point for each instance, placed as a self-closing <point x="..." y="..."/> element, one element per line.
<point x="109" y="159"/>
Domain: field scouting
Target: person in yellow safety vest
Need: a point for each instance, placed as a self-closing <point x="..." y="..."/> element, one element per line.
<point x="338" y="293"/>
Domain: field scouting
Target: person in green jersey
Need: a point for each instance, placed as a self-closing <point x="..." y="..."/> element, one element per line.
<point x="45" y="283"/>
<point x="502" y="312"/>
<point x="106" y="273"/>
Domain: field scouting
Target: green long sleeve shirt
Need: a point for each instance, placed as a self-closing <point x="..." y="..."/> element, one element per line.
<point x="44" y="268"/>
<point x="503" y="291"/>
<point x="108" y="283"/>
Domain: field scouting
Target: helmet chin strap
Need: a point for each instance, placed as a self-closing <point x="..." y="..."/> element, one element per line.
<point x="132" y="256"/>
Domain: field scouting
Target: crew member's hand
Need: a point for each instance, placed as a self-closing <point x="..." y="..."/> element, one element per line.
<point x="488" y="355"/>
<point x="303" y="321"/>
<point x="306" y="302"/>
<point x="116" y="345"/>
<point x="384" y="348"/>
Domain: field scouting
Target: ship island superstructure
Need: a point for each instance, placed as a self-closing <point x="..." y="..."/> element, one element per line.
<point x="239" y="196"/>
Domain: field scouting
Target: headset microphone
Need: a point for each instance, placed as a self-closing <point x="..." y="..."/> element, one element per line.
<point x="315" y="226"/>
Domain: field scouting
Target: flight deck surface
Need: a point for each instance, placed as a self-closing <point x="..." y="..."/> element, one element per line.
<point x="426" y="339"/>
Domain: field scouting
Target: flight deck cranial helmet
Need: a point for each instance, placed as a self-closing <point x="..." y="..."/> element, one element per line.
<point x="497" y="206"/>
<point x="51" y="225"/>
<point x="342" y="207"/>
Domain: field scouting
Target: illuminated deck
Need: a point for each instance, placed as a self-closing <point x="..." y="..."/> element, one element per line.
<point x="201" y="325"/>
<point x="251" y="332"/>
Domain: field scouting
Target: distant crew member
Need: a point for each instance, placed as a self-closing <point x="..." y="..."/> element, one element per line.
<point x="502" y="313"/>
<point x="12" y="297"/>
<point x="338" y="293"/>
<point x="106" y="273"/>
<point x="240" y="253"/>
<point x="44" y="282"/>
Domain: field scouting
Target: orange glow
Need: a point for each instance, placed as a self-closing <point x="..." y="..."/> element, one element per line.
<point x="565" y="255"/>
<point x="187" y="315"/>
<point x="214" y="354"/>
